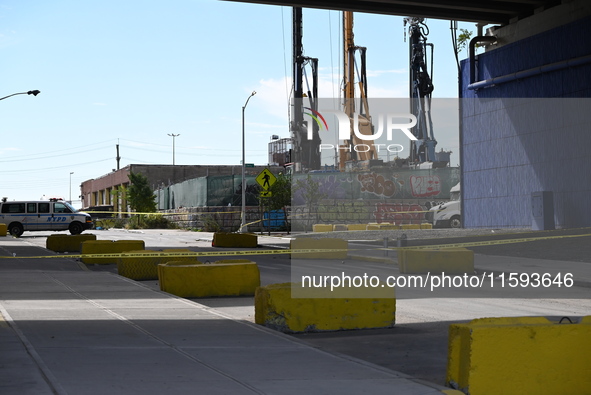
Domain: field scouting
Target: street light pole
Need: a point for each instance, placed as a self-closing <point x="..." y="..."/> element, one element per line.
<point x="34" y="93"/>
<point x="71" y="186"/>
<point x="243" y="211"/>
<point x="173" y="137"/>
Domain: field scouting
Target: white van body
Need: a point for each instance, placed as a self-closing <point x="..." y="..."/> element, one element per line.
<point x="448" y="215"/>
<point x="35" y="215"/>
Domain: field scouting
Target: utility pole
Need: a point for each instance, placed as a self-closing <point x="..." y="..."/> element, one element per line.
<point x="173" y="138"/>
<point x="118" y="158"/>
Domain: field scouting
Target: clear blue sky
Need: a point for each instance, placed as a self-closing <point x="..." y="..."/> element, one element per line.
<point x="132" y="72"/>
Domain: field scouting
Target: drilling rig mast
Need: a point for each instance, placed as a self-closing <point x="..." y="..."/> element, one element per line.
<point x="420" y="87"/>
<point x="347" y="151"/>
<point x="306" y="153"/>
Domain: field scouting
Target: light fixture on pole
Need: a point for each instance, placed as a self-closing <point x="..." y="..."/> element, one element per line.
<point x="243" y="211"/>
<point x="34" y="93"/>
<point x="71" y="186"/>
<point x="173" y="137"/>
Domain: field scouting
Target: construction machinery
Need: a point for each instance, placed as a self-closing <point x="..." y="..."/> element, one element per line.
<point x="305" y="151"/>
<point x="420" y="89"/>
<point x="352" y="108"/>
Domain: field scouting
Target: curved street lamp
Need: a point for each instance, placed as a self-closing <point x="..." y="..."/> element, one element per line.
<point x="34" y="93"/>
<point x="243" y="211"/>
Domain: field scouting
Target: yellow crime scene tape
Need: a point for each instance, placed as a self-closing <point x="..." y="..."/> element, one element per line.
<point x="226" y="212"/>
<point x="179" y="254"/>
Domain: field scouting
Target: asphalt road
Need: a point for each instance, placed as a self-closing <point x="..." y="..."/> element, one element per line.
<point x="417" y="345"/>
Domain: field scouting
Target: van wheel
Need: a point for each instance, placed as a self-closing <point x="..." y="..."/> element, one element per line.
<point x="16" y="230"/>
<point x="75" y="228"/>
<point x="455" y="222"/>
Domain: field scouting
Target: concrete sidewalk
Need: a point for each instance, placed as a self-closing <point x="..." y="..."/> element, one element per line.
<point x="69" y="331"/>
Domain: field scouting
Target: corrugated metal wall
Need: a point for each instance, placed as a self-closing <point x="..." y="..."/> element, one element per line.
<point x="528" y="135"/>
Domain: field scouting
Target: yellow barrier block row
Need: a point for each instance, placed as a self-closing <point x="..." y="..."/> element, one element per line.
<point x="339" y="227"/>
<point x="423" y="261"/>
<point x="93" y="247"/>
<point x="236" y="240"/>
<point x="320" y="244"/>
<point x="209" y="280"/>
<point x="3" y="230"/>
<point x="426" y="226"/>
<point x="275" y="308"/>
<point x="321" y="228"/>
<point x="410" y="226"/>
<point x="520" y="355"/>
<point x="146" y="267"/>
<point x="67" y="243"/>
<point x="382" y="226"/>
<point x="357" y="227"/>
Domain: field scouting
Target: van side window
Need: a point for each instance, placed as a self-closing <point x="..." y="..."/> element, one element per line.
<point x="61" y="208"/>
<point x="13" y="208"/>
<point x="43" y="208"/>
<point x="31" y="208"/>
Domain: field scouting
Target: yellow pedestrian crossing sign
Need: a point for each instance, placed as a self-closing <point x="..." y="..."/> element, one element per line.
<point x="265" y="179"/>
<point x="265" y="193"/>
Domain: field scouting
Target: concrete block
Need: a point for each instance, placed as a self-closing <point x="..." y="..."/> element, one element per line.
<point x="67" y="243"/>
<point x="97" y="247"/>
<point x="410" y="226"/>
<point x="209" y="280"/>
<point x="339" y="227"/>
<point x="275" y="308"/>
<point x="382" y="226"/>
<point x="357" y="227"/>
<point x="145" y="267"/>
<point x="322" y="228"/>
<point x="339" y="245"/>
<point x="423" y="261"/>
<point x="235" y="240"/>
<point x="520" y="355"/>
<point x="3" y="230"/>
<point x="426" y="226"/>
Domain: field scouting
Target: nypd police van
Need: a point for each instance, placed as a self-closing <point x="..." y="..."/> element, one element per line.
<point x="32" y="215"/>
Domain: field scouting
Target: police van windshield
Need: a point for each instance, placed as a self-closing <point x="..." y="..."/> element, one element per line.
<point x="70" y="207"/>
<point x="63" y="207"/>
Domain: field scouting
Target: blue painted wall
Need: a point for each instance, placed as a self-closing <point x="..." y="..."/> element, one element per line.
<point x="528" y="135"/>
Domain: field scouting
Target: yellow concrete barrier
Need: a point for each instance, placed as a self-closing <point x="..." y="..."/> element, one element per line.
<point x="67" y="243"/>
<point x="236" y="240"/>
<point x="146" y="267"/>
<point x="321" y="228"/>
<point x="95" y="247"/>
<point x="339" y="245"/>
<point x="382" y="226"/>
<point x="209" y="280"/>
<point x="339" y="227"/>
<point x="3" y="230"/>
<point x="275" y="308"/>
<point x="426" y="226"/>
<point x="520" y="355"/>
<point x="450" y="260"/>
<point x="410" y="226"/>
<point x="357" y="227"/>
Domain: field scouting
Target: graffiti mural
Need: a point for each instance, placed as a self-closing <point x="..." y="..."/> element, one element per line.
<point x="377" y="184"/>
<point x="332" y="188"/>
<point x="425" y="186"/>
<point x="399" y="213"/>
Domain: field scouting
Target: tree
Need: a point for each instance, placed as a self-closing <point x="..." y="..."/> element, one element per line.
<point x="280" y="197"/>
<point x="140" y="196"/>
<point x="311" y="194"/>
